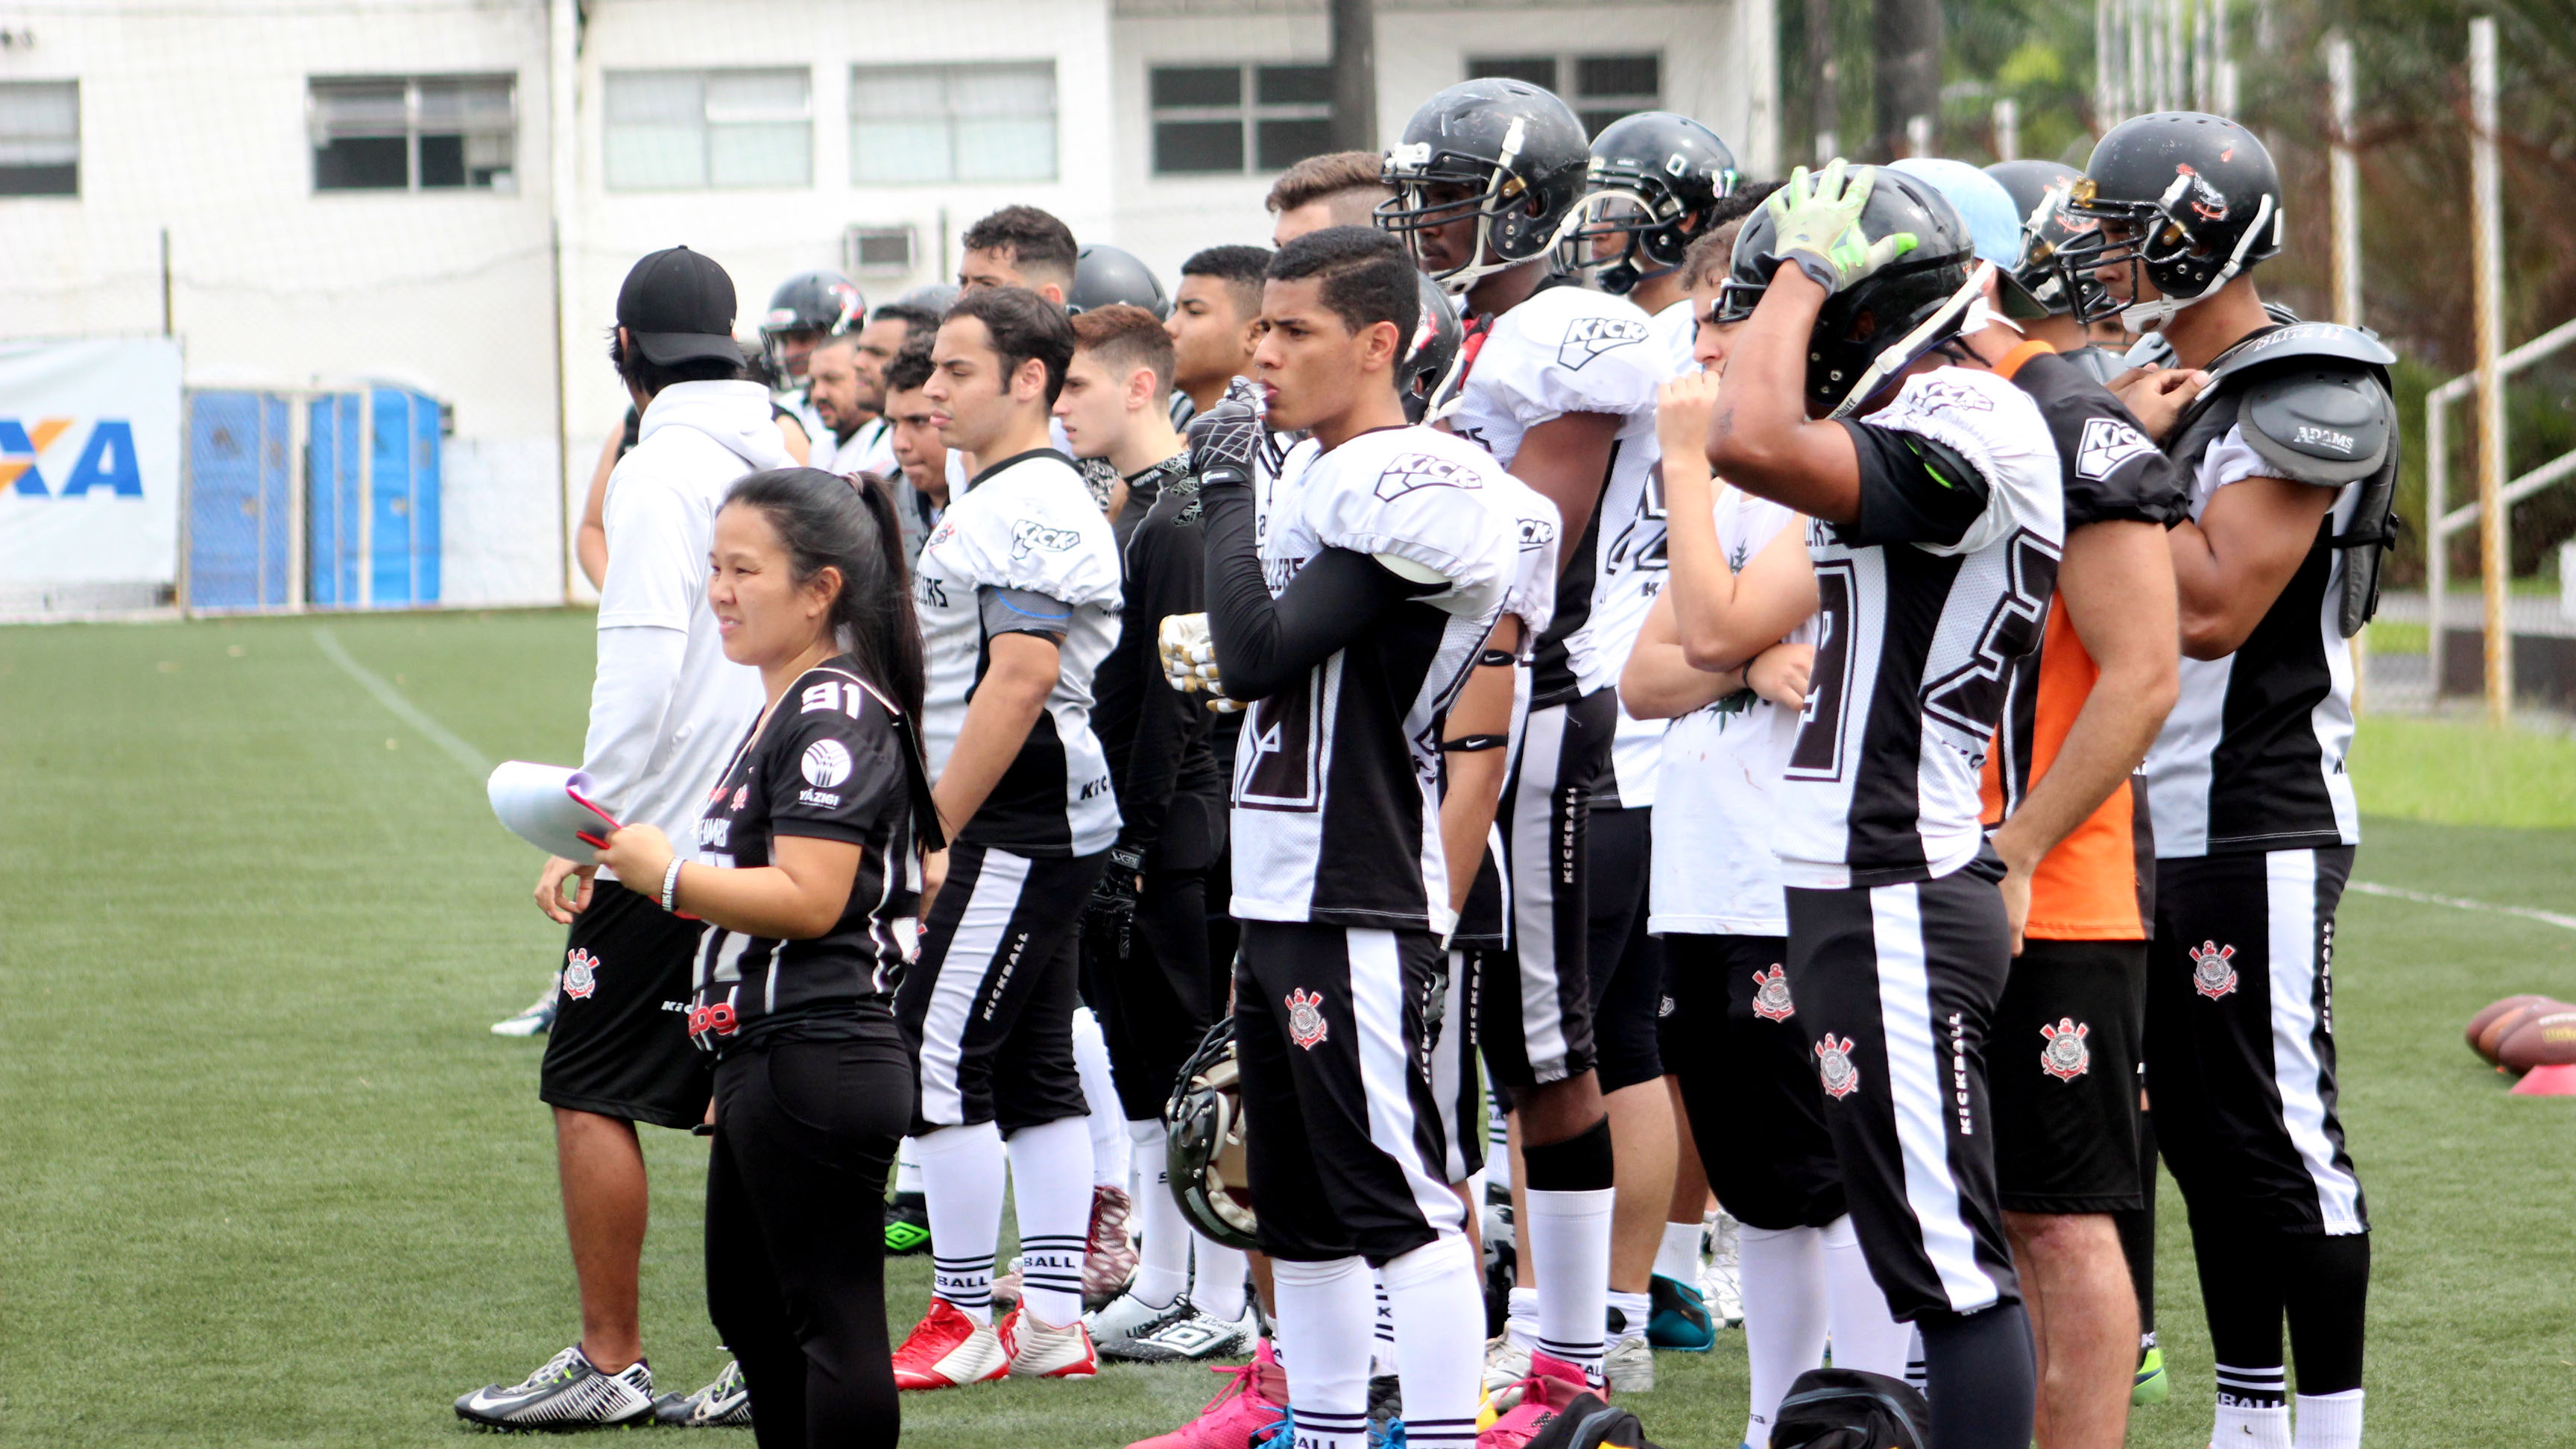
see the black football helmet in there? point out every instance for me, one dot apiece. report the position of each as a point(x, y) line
point(2039, 190)
point(823, 303)
point(1204, 1157)
point(1519, 153)
point(1876, 328)
point(1104, 276)
point(1438, 337)
point(2196, 200)
point(1650, 175)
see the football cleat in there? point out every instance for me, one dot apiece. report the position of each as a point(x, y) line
point(947, 1349)
point(1197, 1337)
point(566, 1393)
point(2152, 1386)
point(1040, 1351)
point(1551, 1386)
point(1679, 1319)
point(1721, 1282)
point(1629, 1366)
point(1385, 1411)
point(1250, 1407)
point(1127, 1320)
point(724, 1404)
point(907, 1225)
point(537, 1020)
point(1507, 1362)
point(1108, 1254)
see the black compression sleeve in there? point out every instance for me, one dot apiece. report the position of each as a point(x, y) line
point(1264, 643)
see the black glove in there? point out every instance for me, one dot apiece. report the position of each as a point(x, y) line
point(1227, 437)
point(1112, 911)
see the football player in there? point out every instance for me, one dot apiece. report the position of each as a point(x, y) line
point(1559, 385)
point(2289, 442)
point(805, 309)
point(1933, 490)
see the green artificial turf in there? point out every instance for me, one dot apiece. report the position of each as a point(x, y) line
point(266, 1178)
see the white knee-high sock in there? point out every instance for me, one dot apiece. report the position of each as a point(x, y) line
point(961, 1178)
point(1498, 1145)
point(1324, 1315)
point(1678, 1257)
point(1381, 1328)
point(2253, 1408)
point(2328, 1421)
point(1051, 1191)
point(1163, 1262)
point(1785, 1311)
point(1438, 1309)
point(1100, 1093)
point(1216, 1278)
point(1568, 1240)
point(907, 1167)
point(1864, 1336)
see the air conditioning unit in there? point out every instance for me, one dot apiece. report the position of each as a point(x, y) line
point(877, 251)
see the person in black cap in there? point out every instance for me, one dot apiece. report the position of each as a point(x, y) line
point(665, 708)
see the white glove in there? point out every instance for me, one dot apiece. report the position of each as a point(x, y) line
point(1189, 660)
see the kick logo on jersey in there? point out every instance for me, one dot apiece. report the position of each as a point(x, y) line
point(2213, 972)
point(1306, 1025)
point(580, 975)
point(1029, 536)
point(1588, 337)
point(1834, 1067)
point(2107, 443)
point(826, 763)
point(1771, 995)
point(2066, 1057)
point(1410, 471)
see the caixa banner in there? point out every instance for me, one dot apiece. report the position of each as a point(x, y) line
point(89, 474)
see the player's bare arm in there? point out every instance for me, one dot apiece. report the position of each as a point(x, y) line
point(798, 897)
point(1479, 721)
point(1566, 460)
point(2231, 565)
point(1660, 682)
point(1759, 435)
point(1007, 701)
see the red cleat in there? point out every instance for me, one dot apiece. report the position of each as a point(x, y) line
point(947, 1349)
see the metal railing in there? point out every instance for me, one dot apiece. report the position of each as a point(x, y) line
point(2441, 520)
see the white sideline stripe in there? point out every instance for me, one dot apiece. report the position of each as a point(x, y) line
point(2461, 903)
point(403, 709)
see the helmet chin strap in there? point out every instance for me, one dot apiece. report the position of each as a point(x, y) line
point(2138, 317)
point(1901, 354)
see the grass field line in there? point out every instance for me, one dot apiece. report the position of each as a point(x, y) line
point(2462, 903)
point(403, 709)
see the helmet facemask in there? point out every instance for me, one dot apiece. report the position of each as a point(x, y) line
point(1643, 221)
point(1502, 200)
point(2159, 245)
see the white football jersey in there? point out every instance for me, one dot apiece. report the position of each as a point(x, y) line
point(1567, 350)
point(1636, 746)
point(1025, 524)
point(1719, 783)
point(1913, 645)
point(1336, 817)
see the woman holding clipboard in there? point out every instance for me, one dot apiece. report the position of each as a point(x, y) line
point(807, 871)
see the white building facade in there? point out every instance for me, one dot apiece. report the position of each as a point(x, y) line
point(372, 190)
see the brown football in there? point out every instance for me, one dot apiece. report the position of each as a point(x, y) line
point(2545, 1040)
point(2479, 1041)
point(2494, 1035)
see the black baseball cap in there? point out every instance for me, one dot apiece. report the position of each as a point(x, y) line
point(678, 306)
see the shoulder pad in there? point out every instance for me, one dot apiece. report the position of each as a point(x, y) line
point(2324, 424)
point(2097, 363)
point(2300, 342)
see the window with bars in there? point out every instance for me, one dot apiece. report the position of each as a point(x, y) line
point(39, 138)
point(1600, 88)
point(692, 130)
point(1219, 119)
point(413, 133)
point(988, 121)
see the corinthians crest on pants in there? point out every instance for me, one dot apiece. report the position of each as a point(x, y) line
point(2213, 972)
point(1771, 996)
point(1834, 1066)
point(2066, 1057)
point(580, 975)
point(1305, 1018)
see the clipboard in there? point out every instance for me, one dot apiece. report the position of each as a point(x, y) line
point(550, 807)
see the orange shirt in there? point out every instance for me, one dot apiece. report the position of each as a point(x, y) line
point(2096, 885)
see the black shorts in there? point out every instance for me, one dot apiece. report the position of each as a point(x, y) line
point(2240, 1030)
point(988, 1007)
point(1624, 962)
point(1338, 1034)
point(1534, 996)
point(1896, 988)
point(1749, 1082)
point(2063, 1066)
point(620, 1044)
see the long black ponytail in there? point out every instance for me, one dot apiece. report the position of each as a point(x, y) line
point(826, 521)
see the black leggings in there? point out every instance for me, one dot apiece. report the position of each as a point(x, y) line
point(804, 1134)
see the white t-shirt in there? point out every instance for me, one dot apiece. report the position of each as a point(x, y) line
point(1717, 789)
point(1636, 746)
point(666, 706)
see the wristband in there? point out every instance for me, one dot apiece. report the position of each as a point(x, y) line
point(671, 885)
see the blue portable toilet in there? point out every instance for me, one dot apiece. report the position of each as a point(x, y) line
point(372, 513)
point(240, 500)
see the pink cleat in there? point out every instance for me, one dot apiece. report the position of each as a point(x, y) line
point(1254, 1403)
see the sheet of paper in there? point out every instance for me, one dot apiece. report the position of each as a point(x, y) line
point(549, 807)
